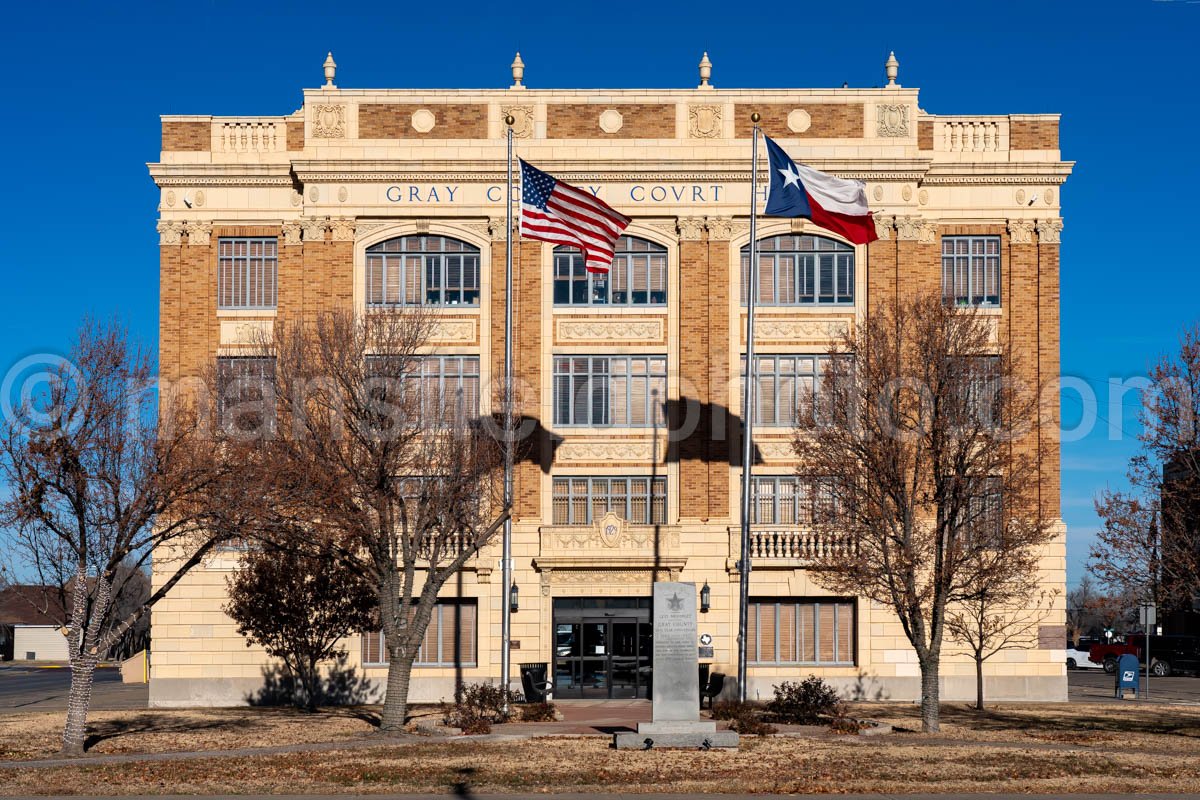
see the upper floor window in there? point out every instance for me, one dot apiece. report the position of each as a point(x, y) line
point(440, 389)
point(583, 500)
point(422, 270)
point(975, 392)
point(638, 276)
point(971, 270)
point(801, 270)
point(792, 500)
point(246, 395)
point(247, 272)
point(626, 391)
point(788, 385)
point(982, 519)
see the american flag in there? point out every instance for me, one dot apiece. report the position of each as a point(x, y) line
point(553, 211)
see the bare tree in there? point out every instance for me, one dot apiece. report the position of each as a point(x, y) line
point(395, 472)
point(923, 433)
point(96, 487)
point(298, 607)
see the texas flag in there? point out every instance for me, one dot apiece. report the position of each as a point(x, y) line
point(836, 204)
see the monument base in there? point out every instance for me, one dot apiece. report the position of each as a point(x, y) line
point(690, 735)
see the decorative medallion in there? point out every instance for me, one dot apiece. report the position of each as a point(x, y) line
point(423, 120)
point(906, 193)
point(198, 198)
point(1048, 196)
point(329, 122)
point(611, 120)
point(343, 194)
point(170, 197)
point(891, 121)
point(1020, 197)
point(297, 198)
point(799, 120)
point(611, 527)
point(522, 126)
point(314, 194)
point(704, 122)
point(923, 197)
point(877, 193)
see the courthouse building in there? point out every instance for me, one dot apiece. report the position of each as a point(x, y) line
point(373, 198)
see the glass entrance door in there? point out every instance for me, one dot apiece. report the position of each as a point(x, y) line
point(602, 657)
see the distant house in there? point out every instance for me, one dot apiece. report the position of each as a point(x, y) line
point(31, 621)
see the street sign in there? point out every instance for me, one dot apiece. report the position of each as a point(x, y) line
point(1147, 615)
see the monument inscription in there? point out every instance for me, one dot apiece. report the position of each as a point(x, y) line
point(676, 686)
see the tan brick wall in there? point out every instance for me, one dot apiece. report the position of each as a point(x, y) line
point(882, 277)
point(924, 134)
point(695, 338)
point(186, 136)
point(1022, 308)
point(720, 420)
point(828, 120)
point(394, 121)
point(1033, 134)
point(295, 134)
point(198, 326)
point(1049, 364)
point(170, 310)
point(582, 121)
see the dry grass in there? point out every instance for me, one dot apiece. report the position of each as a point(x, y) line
point(1047, 749)
point(38, 735)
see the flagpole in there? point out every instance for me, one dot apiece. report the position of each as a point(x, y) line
point(506, 548)
point(748, 380)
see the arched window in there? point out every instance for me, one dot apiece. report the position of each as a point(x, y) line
point(638, 276)
point(422, 270)
point(801, 270)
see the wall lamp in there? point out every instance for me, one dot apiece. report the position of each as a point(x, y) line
point(705, 598)
point(513, 600)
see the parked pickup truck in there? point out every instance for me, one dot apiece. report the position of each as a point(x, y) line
point(1109, 653)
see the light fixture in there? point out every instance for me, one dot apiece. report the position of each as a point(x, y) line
point(513, 605)
point(705, 598)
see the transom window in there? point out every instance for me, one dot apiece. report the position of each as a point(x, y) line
point(801, 270)
point(801, 632)
point(582, 501)
point(627, 391)
point(422, 270)
point(971, 270)
point(787, 385)
point(792, 500)
point(247, 272)
point(638, 276)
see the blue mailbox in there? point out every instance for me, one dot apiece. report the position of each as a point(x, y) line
point(1127, 675)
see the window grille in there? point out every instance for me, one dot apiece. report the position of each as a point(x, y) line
point(246, 394)
point(801, 632)
point(626, 391)
point(247, 273)
point(583, 500)
point(422, 270)
point(971, 270)
point(638, 276)
point(801, 270)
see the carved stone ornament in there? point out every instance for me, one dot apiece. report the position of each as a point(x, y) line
point(1048, 196)
point(775, 451)
point(314, 194)
point(799, 120)
point(883, 225)
point(721, 229)
point(343, 194)
point(314, 229)
point(611, 527)
point(611, 120)
point(1020, 231)
point(169, 197)
point(522, 126)
point(170, 232)
point(329, 122)
point(297, 198)
point(1019, 196)
point(770, 329)
point(578, 451)
point(423, 120)
point(453, 331)
point(891, 120)
point(667, 226)
point(584, 330)
point(915, 229)
point(877, 193)
point(906, 193)
point(923, 197)
point(704, 122)
point(691, 229)
point(343, 230)
point(291, 233)
point(496, 226)
point(199, 233)
point(1049, 231)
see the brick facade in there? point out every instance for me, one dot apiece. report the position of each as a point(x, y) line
point(395, 121)
point(188, 137)
point(1033, 134)
point(638, 121)
point(827, 120)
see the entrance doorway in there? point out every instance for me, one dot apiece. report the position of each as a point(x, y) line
point(603, 647)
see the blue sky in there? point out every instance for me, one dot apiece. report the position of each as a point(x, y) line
point(85, 85)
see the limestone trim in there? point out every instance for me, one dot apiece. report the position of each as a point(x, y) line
point(454, 332)
point(1020, 231)
point(705, 121)
point(343, 229)
point(329, 121)
point(170, 232)
point(691, 229)
point(314, 229)
point(570, 330)
point(797, 331)
point(916, 229)
point(199, 233)
point(891, 120)
point(1050, 231)
point(721, 229)
point(633, 450)
point(884, 223)
point(522, 120)
point(291, 233)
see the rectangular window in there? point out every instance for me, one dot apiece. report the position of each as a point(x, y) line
point(974, 393)
point(583, 500)
point(246, 394)
point(247, 272)
point(983, 516)
point(788, 386)
point(445, 387)
point(637, 277)
point(623, 391)
point(971, 270)
point(788, 631)
point(792, 500)
point(450, 640)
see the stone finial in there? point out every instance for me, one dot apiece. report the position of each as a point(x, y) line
point(330, 71)
point(518, 72)
point(893, 69)
point(705, 72)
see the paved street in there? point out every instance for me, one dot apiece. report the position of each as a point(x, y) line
point(43, 688)
point(1094, 686)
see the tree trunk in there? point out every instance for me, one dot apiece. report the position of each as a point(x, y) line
point(930, 696)
point(79, 700)
point(395, 702)
point(978, 683)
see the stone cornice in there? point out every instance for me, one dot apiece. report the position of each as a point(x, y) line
point(221, 174)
